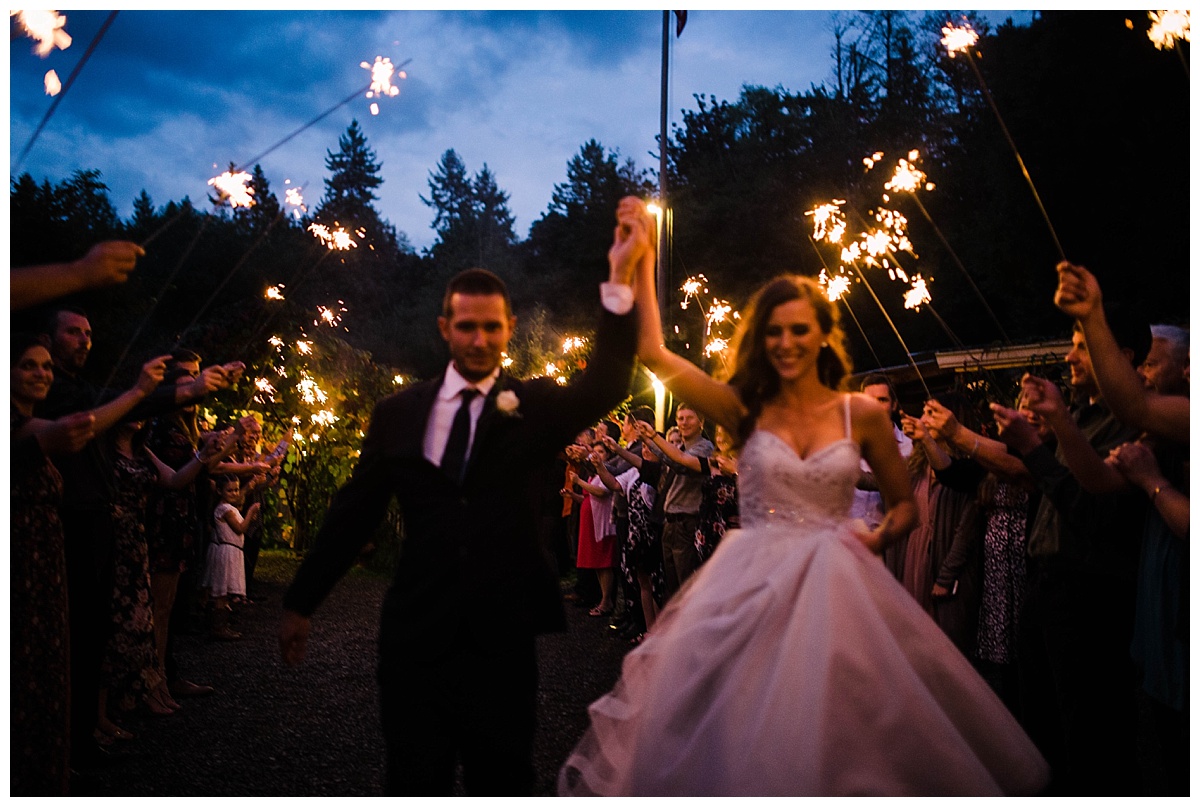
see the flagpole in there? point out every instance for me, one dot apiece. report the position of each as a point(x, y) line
point(664, 235)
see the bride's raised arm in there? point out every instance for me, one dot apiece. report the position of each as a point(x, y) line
point(715, 400)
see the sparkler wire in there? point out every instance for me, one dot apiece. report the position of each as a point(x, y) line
point(316, 120)
point(846, 302)
point(262, 237)
point(1028, 179)
point(66, 86)
point(162, 293)
point(899, 338)
point(962, 268)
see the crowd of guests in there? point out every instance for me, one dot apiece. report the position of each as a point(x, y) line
point(1050, 545)
point(125, 529)
point(642, 510)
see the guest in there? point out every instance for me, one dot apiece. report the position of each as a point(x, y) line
point(1076, 675)
point(681, 502)
point(225, 572)
point(868, 503)
point(39, 663)
point(597, 535)
point(131, 674)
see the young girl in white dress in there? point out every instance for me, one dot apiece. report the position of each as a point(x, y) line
point(793, 663)
point(225, 574)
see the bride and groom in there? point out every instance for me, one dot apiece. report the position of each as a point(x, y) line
point(791, 664)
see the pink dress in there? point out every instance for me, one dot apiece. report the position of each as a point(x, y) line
point(918, 571)
point(592, 553)
point(792, 663)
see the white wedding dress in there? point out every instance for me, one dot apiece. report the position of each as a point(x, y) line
point(793, 664)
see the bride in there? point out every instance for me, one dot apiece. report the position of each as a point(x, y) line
point(793, 663)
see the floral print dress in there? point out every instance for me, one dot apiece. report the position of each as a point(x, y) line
point(130, 667)
point(39, 663)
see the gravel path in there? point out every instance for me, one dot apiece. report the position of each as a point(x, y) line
point(314, 730)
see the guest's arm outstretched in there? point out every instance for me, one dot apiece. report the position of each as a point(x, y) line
point(1169, 416)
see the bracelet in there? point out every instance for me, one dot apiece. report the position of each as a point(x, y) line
point(974, 450)
point(1157, 490)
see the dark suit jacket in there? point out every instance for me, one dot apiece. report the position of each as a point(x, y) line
point(470, 565)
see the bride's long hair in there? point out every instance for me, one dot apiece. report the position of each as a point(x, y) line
point(752, 374)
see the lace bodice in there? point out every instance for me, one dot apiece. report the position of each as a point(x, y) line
point(776, 486)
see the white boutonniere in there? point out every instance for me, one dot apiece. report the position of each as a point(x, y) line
point(507, 403)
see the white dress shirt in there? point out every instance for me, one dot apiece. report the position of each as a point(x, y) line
point(617, 298)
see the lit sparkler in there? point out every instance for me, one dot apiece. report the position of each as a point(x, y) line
point(264, 387)
point(716, 347)
point(233, 188)
point(274, 292)
point(1167, 27)
point(835, 287)
point(309, 391)
point(959, 39)
point(918, 295)
point(572, 343)
point(828, 222)
point(332, 239)
point(53, 85)
point(304, 347)
point(398, 379)
point(293, 197)
point(329, 316)
point(693, 287)
point(506, 360)
point(46, 28)
point(276, 342)
point(325, 417)
point(381, 77)
point(869, 162)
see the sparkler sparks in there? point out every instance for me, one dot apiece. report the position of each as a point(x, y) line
point(292, 196)
point(264, 388)
point(381, 80)
point(835, 287)
point(46, 28)
point(506, 360)
point(328, 316)
point(958, 39)
point(869, 162)
point(309, 391)
point(572, 343)
point(335, 239)
point(907, 178)
point(53, 85)
point(276, 342)
point(918, 295)
point(828, 222)
point(693, 287)
point(325, 417)
point(716, 347)
point(1166, 27)
point(233, 189)
point(304, 347)
point(274, 293)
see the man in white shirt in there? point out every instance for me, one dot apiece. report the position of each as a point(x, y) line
point(467, 457)
point(868, 503)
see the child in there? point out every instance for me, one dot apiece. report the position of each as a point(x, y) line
point(226, 572)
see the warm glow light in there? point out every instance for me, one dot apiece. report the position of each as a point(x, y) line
point(828, 222)
point(233, 188)
point(918, 295)
point(274, 292)
point(335, 239)
point(1168, 26)
point(958, 40)
point(397, 379)
point(46, 27)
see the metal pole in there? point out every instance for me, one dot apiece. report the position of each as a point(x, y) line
point(664, 231)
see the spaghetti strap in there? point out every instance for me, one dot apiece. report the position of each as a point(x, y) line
point(846, 399)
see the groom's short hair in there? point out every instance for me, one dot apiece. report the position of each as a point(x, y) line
point(479, 282)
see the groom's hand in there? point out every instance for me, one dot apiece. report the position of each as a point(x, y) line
point(293, 637)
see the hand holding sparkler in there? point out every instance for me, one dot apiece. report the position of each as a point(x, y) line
point(152, 374)
point(1044, 398)
point(216, 446)
point(67, 434)
point(1078, 293)
point(105, 264)
point(1015, 429)
point(939, 421)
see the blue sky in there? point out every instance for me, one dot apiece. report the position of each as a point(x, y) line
point(169, 99)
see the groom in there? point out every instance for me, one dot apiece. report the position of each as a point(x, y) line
point(466, 456)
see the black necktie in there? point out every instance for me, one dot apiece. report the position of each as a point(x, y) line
point(454, 460)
